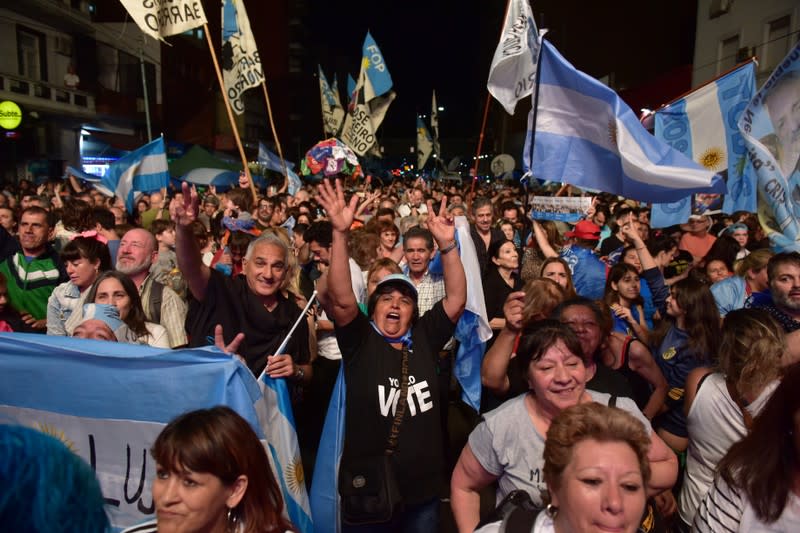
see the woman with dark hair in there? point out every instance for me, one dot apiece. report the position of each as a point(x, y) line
point(213, 476)
point(116, 288)
point(84, 257)
point(688, 338)
point(76, 217)
point(500, 280)
point(623, 296)
point(721, 402)
point(610, 444)
point(507, 447)
point(756, 487)
point(557, 269)
point(395, 434)
point(390, 236)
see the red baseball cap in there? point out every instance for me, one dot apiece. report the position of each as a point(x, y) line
point(585, 229)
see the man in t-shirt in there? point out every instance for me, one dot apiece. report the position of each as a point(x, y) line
point(252, 303)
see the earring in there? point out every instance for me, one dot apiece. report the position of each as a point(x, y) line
point(232, 520)
point(551, 510)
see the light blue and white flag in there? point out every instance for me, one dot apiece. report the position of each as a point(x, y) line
point(95, 182)
point(703, 126)
point(109, 401)
point(377, 71)
point(587, 136)
point(241, 64)
point(277, 421)
point(142, 171)
point(273, 162)
point(472, 329)
point(351, 85)
point(332, 111)
point(424, 144)
point(325, 484)
point(771, 131)
point(512, 75)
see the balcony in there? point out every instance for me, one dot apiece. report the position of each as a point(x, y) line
point(71, 16)
point(43, 96)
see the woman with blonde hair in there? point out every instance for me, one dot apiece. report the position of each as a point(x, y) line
point(720, 403)
point(613, 446)
point(747, 287)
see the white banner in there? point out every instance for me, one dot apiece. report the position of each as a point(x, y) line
point(159, 18)
point(241, 65)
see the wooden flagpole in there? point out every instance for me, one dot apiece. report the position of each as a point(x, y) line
point(275, 133)
point(230, 113)
point(480, 140)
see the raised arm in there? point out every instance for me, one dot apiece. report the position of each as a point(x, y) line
point(341, 300)
point(629, 230)
point(443, 230)
point(494, 368)
point(190, 261)
point(541, 239)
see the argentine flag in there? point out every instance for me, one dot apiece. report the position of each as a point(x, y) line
point(703, 126)
point(95, 181)
point(142, 171)
point(587, 136)
point(273, 162)
point(276, 418)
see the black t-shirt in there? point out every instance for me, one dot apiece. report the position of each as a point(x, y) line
point(496, 290)
point(230, 302)
point(372, 374)
point(609, 244)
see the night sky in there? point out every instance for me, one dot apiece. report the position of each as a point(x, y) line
point(448, 46)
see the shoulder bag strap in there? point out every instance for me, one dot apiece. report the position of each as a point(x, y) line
point(748, 418)
point(401, 404)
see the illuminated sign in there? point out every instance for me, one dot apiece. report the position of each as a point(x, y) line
point(10, 115)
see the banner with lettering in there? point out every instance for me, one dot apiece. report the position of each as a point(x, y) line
point(109, 401)
point(160, 19)
point(563, 208)
point(241, 66)
point(771, 130)
point(512, 75)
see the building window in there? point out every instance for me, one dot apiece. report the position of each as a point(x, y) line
point(31, 54)
point(778, 42)
point(728, 48)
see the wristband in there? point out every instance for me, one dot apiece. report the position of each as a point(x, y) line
point(448, 248)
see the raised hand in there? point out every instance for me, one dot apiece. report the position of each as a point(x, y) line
point(629, 230)
point(441, 225)
point(340, 213)
point(184, 213)
point(513, 310)
point(232, 348)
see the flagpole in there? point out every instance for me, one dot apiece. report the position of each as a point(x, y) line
point(480, 140)
point(275, 133)
point(230, 113)
point(535, 113)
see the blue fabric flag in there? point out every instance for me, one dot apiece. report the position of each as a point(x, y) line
point(351, 85)
point(142, 171)
point(771, 132)
point(95, 182)
point(276, 419)
point(273, 162)
point(377, 71)
point(587, 136)
point(325, 483)
point(703, 126)
point(109, 401)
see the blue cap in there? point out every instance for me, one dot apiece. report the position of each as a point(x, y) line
point(398, 279)
point(105, 313)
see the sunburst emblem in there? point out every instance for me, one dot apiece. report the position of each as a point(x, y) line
point(713, 158)
point(295, 477)
point(58, 434)
point(612, 131)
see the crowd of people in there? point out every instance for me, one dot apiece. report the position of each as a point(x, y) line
point(637, 377)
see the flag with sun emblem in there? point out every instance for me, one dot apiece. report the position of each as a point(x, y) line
point(277, 421)
point(702, 125)
point(585, 135)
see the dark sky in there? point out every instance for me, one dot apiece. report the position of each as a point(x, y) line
point(448, 46)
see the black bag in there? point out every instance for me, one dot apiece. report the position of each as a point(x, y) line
point(369, 490)
point(368, 485)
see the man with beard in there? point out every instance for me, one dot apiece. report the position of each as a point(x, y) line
point(783, 271)
point(481, 230)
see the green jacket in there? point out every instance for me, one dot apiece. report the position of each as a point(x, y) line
point(30, 283)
